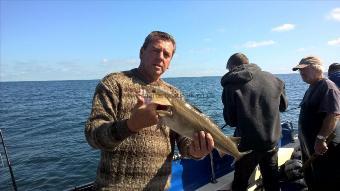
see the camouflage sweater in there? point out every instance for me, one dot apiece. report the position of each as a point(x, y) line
point(129, 161)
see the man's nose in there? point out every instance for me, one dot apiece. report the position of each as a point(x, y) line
point(161, 55)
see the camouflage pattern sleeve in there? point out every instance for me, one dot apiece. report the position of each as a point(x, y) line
point(183, 144)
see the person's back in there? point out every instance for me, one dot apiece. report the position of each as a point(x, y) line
point(257, 97)
point(252, 99)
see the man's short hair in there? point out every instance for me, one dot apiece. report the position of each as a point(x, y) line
point(157, 35)
point(237, 59)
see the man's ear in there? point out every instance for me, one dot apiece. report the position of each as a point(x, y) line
point(141, 52)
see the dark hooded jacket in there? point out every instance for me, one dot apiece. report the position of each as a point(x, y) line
point(252, 101)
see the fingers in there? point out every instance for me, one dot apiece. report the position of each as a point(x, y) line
point(210, 142)
point(192, 149)
point(196, 142)
point(201, 145)
point(203, 142)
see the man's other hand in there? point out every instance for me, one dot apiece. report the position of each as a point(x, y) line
point(201, 145)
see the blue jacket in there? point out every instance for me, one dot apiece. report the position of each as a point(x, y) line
point(335, 77)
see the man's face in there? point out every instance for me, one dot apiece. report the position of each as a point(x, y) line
point(155, 59)
point(308, 74)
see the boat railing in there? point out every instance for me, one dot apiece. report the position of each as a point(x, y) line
point(213, 175)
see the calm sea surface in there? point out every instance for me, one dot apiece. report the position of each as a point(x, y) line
point(43, 125)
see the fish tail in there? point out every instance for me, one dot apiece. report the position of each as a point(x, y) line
point(242, 154)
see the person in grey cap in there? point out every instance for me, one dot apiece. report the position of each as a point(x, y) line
point(334, 73)
point(320, 108)
point(252, 99)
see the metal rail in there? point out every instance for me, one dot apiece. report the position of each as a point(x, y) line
point(213, 176)
point(8, 162)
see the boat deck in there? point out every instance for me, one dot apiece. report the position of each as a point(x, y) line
point(224, 183)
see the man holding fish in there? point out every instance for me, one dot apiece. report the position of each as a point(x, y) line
point(136, 145)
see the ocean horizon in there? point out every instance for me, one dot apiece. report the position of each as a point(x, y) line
point(43, 126)
point(325, 74)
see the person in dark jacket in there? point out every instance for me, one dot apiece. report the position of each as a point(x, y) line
point(252, 99)
point(334, 73)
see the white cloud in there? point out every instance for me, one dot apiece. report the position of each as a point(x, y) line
point(334, 14)
point(253, 44)
point(335, 42)
point(284, 27)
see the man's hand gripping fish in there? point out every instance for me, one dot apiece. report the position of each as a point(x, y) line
point(185, 120)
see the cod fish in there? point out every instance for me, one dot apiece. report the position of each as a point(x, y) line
point(185, 120)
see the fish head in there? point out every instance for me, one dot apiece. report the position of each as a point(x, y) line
point(164, 106)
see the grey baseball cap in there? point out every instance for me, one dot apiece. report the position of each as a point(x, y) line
point(309, 60)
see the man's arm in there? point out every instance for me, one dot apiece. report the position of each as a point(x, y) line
point(283, 99)
point(330, 104)
point(103, 129)
point(229, 110)
point(328, 126)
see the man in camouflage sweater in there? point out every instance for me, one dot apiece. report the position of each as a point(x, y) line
point(136, 148)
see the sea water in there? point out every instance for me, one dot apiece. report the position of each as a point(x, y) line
point(43, 124)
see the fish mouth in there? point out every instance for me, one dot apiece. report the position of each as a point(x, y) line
point(164, 107)
point(164, 110)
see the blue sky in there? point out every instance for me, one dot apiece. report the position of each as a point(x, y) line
point(76, 40)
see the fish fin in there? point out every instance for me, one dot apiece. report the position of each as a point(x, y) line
point(236, 140)
point(233, 163)
point(159, 91)
point(196, 108)
point(221, 153)
point(242, 154)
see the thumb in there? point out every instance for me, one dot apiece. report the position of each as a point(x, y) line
point(140, 101)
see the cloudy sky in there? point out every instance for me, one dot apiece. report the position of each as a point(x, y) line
point(76, 40)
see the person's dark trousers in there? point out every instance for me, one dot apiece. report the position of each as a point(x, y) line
point(267, 161)
point(324, 174)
